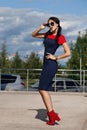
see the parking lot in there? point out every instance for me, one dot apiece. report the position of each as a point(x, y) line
point(26, 111)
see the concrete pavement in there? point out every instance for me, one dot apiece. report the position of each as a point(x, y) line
point(26, 111)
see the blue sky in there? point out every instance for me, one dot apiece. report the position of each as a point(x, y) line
point(19, 18)
point(78, 7)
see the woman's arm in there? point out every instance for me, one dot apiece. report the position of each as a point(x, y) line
point(36, 32)
point(66, 53)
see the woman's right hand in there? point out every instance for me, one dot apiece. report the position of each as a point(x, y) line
point(36, 32)
point(43, 25)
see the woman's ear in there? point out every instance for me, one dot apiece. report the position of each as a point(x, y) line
point(58, 25)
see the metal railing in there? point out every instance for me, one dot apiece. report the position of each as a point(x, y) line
point(30, 76)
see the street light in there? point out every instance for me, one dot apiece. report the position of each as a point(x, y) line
point(80, 57)
point(80, 64)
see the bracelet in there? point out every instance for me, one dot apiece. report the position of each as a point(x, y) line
point(56, 58)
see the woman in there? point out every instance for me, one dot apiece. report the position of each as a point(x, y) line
point(52, 40)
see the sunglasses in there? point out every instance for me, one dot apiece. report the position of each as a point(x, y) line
point(50, 24)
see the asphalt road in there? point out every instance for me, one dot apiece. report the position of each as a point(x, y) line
point(26, 111)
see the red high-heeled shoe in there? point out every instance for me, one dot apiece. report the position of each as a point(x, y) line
point(52, 117)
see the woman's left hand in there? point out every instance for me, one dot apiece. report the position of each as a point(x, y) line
point(50, 56)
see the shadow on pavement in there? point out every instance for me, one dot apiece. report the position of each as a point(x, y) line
point(41, 114)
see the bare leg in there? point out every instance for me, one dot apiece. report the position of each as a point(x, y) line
point(48, 103)
point(46, 99)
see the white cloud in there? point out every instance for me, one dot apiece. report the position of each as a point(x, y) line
point(16, 26)
point(36, 43)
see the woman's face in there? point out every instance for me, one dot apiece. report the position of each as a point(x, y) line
point(53, 26)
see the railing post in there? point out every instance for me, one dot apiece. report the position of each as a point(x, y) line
point(0, 79)
point(84, 81)
point(27, 78)
point(55, 84)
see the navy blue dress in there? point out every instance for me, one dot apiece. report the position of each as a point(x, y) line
point(50, 67)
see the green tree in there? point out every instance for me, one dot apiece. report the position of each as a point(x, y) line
point(3, 56)
point(17, 62)
point(78, 51)
point(33, 61)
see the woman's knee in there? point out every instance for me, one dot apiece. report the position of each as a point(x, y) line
point(42, 92)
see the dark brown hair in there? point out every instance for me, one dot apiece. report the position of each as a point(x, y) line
point(56, 20)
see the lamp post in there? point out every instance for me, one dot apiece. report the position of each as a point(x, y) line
point(80, 59)
point(80, 65)
point(80, 47)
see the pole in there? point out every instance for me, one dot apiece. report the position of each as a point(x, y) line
point(27, 78)
point(80, 65)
